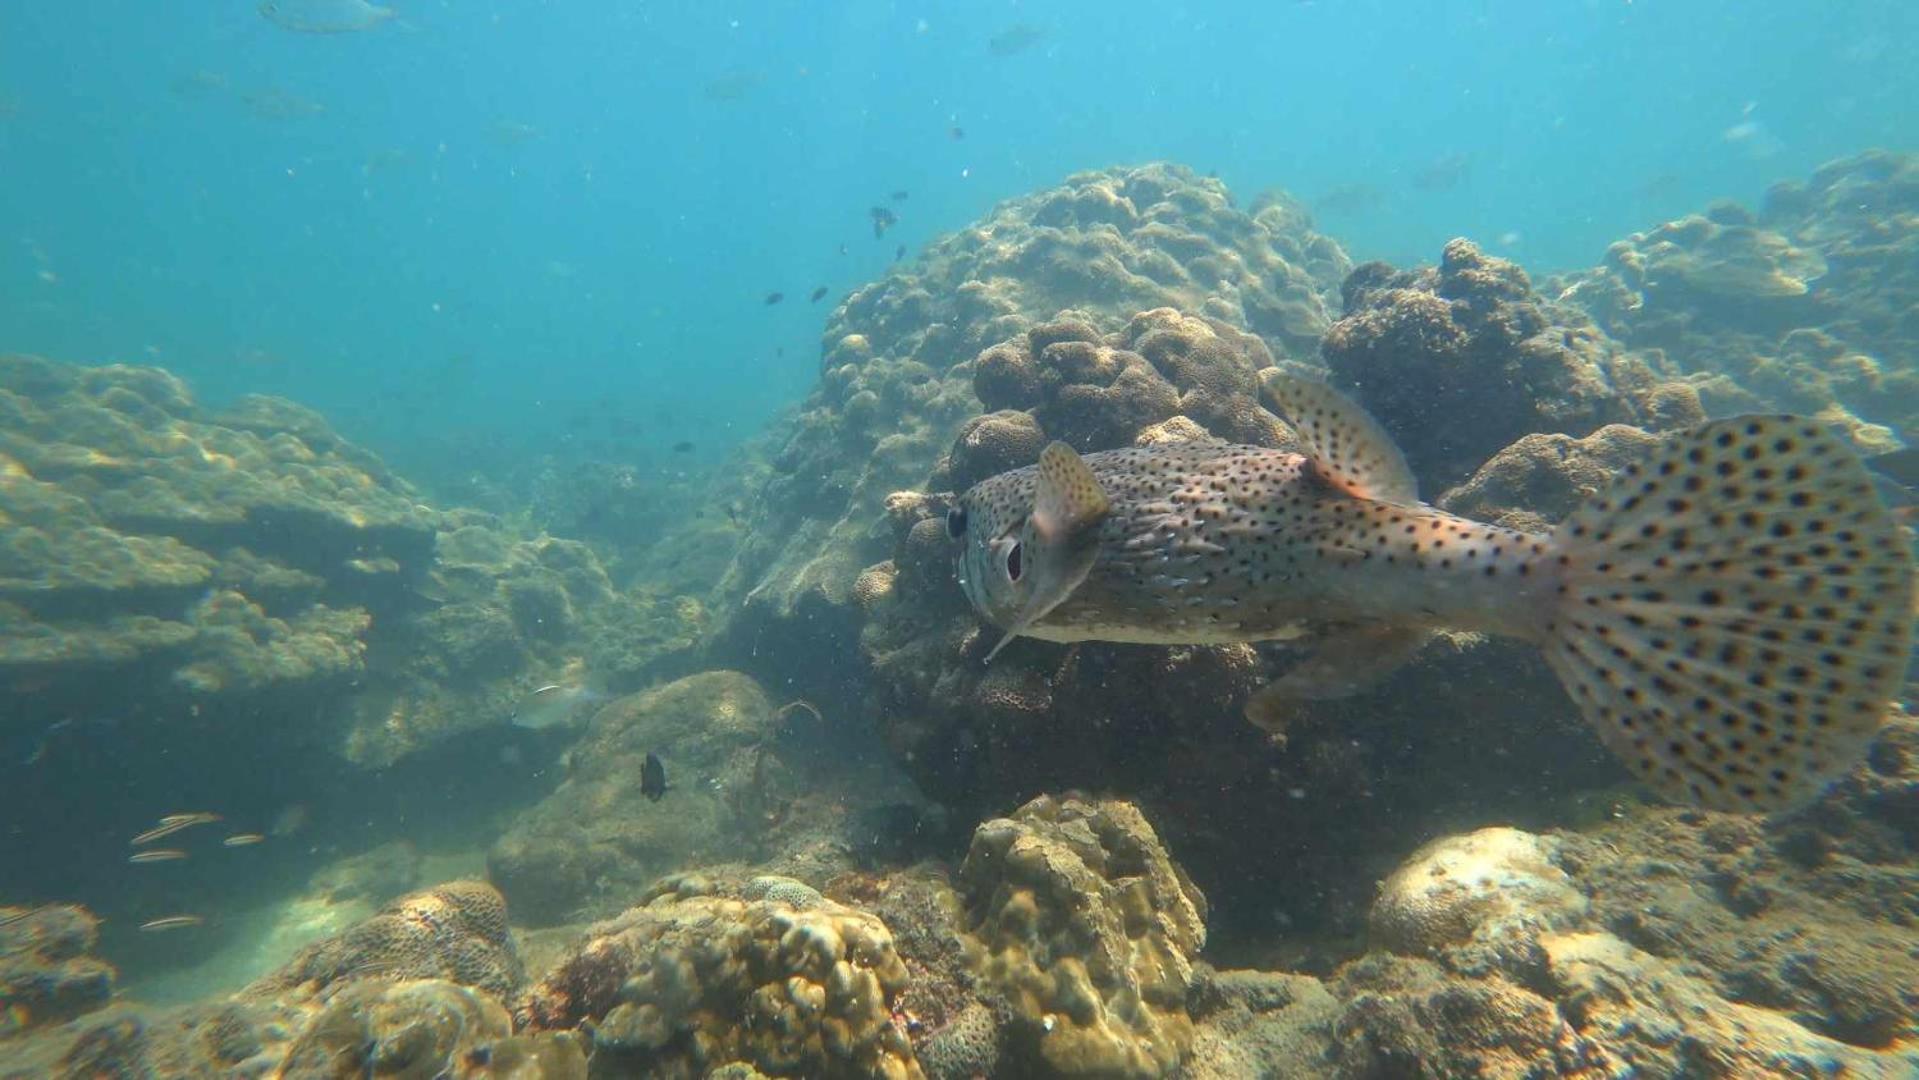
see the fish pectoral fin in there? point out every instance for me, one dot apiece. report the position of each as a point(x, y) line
point(1068, 503)
point(1344, 662)
point(1068, 507)
point(1347, 446)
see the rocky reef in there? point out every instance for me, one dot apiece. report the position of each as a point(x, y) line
point(1445, 875)
point(899, 371)
point(745, 784)
point(1804, 305)
point(1461, 359)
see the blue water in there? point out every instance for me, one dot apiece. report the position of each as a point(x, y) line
point(460, 228)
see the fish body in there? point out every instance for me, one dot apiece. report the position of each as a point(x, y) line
point(324, 16)
point(1733, 617)
point(171, 922)
point(653, 778)
point(154, 855)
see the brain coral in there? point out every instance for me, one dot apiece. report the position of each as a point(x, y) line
point(456, 931)
point(1087, 928)
point(693, 980)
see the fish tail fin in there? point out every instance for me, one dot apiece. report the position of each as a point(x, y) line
point(1734, 615)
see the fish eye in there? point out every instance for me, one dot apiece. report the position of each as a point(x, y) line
point(1013, 562)
point(956, 522)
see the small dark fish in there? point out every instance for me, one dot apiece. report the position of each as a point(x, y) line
point(171, 922)
point(899, 196)
point(883, 219)
point(899, 253)
point(842, 249)
point(653, 778)
point(957, 133)
point(1015, 39)
point(774, 298)
point(817, 295)
point(682, 447)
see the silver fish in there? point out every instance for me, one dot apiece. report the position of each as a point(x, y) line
point(1733, 615)
point(554, 704)
point(324, 16)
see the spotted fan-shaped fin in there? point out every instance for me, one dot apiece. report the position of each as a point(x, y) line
point(1735, 614)
point(1348, 447)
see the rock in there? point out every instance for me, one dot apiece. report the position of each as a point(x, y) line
point(48, 973)
point(1087, 928)
point(1259, 1023)
point(1495, 890)
point(733, 792)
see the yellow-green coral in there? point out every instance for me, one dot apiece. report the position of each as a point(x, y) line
point(693, 981)
point(1083, 923)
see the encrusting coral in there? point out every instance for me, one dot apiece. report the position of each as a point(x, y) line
point(695, 979)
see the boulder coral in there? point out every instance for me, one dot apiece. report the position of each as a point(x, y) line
point(1459, 360)
point(455, 931)
point(1088, 929)
point(694, 980)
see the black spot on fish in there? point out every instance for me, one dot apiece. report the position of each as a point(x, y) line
point(817, 295)
point(883, 219)
point(774, 298)
point(652, 778)
point(683, 447)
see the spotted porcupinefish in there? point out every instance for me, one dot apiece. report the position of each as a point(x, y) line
point(1733, 615)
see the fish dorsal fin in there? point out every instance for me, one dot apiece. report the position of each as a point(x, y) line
point(1063, 534)
point(1347, 447)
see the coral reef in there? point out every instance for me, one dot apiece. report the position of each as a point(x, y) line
point(231, 549)
point(898, 377)
point(48, 973)
point(418, 989)
point(1459, 360)
point(1805, 306)
point(455, 931)
point(1088, 929)
point(696, 978)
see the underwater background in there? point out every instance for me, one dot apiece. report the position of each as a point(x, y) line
point(474, 501)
